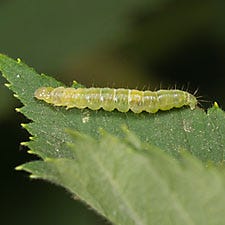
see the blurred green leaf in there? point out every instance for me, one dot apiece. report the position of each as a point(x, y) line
point(71, 29)
point(67, 29)
point(137, 186)
point(158, 34)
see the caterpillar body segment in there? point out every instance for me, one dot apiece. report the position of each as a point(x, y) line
point(121, 99)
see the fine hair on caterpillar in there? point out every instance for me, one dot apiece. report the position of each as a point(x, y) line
point(121, 99)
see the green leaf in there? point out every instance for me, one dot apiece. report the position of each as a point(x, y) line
point(128, 178)
point(173, 131)
point(137, 186)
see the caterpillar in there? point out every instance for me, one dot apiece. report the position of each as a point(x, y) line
point(121, 99)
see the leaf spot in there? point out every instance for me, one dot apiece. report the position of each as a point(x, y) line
point(187, 126)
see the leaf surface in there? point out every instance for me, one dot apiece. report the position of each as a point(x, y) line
point(137, 186)
point(176, 130)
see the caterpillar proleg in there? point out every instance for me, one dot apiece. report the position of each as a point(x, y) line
point(121, 99)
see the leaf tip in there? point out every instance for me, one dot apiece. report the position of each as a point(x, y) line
point(18, 60)
point(31, 138)
point(215, 105)
point(7, 85)
point(24, 125)
point(24, 143)
point(31, 152)
point(16, 96)
point(19, 168)
point(74, 82)
point(18, 110)
point(32, 176)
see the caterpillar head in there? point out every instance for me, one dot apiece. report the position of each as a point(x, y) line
point(43, 93)
point(192, 101)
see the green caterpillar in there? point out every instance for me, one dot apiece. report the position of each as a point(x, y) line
point(121, 99)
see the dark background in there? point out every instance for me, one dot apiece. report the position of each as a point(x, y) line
point(121, 43)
